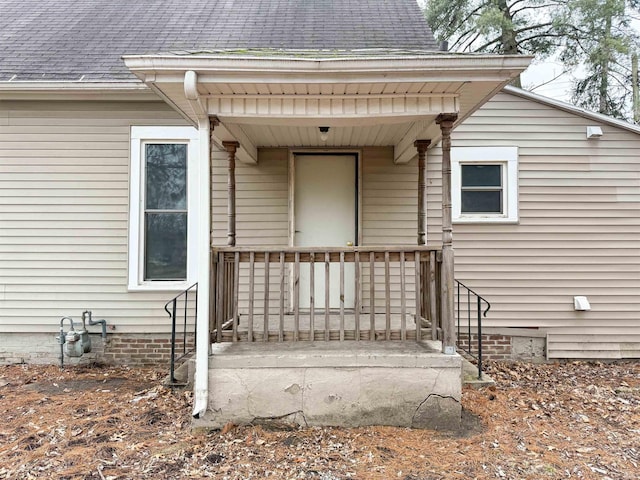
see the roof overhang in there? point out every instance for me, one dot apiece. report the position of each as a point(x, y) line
point(567, 107)
point(77, 90)
point(407, 92)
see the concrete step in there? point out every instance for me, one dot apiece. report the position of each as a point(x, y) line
point(348, 384)
point(470, 376)
point(183, 373)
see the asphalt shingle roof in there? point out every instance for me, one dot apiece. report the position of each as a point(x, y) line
point(74, 39)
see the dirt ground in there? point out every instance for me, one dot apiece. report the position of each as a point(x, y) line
point(575, 420)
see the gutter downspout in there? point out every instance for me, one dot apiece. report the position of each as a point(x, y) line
point(201, 379)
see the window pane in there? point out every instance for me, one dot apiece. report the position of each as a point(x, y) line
point(165, 246)
point(166, 171)
point(483, 201)
point(481, 175)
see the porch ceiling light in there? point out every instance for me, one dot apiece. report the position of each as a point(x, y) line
point(324, 133)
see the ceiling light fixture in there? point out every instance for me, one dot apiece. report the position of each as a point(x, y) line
point(324, 133)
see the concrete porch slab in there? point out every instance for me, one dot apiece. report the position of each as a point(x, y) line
point(334, 384)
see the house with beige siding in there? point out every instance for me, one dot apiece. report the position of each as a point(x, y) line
point(572, 231)
point(289, 188)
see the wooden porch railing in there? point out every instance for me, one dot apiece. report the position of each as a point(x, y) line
point(275, 295)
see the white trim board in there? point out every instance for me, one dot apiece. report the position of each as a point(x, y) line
point(140, 134)
point(505, 156)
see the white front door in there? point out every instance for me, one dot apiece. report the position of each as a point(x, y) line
point(325, 216)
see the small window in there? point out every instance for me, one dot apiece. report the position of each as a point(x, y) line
point(484, 184)
point(481, 189)
point(163, 208)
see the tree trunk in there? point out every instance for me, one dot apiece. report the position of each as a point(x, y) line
point(604, 65)
point(508, 37)
point(636, 96)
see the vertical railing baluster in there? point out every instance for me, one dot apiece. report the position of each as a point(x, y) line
point(433, 304)
point(296, 297)
point(372, 295)
point(236, 287)
point(458, 310)
point(312, 291)
point(281, 326)
point(469, 319)
point(213, 288)
point(265, 331)
point(252, 267)
point(418, 295)
point(184, 329)
point(357, 300)
point(479, 338)
point(173, 341)
point(387, 295)
point(229, 292)
point(403, 300)
point(220, 294)
point(327, 293)
point(341, 296)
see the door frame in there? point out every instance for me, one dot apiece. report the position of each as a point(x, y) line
point(357, 152)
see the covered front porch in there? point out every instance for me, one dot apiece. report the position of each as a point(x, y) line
point(320, 306)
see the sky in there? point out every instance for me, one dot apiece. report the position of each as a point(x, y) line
point(546, 78)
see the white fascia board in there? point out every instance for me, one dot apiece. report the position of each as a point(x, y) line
point(567, 107)
point(236, 68)
point(61, 90)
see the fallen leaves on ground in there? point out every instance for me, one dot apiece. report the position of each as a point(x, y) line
point(573, 420)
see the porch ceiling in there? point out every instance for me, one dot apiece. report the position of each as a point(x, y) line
point(268, 102)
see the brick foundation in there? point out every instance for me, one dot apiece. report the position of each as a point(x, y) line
point(147, 349)
point(523, 344)
point(119, 349)
point(494, 347)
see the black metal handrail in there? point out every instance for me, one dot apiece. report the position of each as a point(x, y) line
point(470, 294)
point(173, 314)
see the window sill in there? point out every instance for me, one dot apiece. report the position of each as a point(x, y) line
point(503, 220)
point(160, 287)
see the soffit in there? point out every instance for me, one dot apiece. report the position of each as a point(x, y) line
point(397, 98)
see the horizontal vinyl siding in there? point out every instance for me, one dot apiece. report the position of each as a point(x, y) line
point(579, 230)
point(64, 186)
point(389, 207)
point(262, 199)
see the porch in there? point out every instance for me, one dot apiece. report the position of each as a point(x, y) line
point(357, 329)
point(315, 333)
point(345, 336)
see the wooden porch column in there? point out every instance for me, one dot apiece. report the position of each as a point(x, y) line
point(213, 123)
point(446, 120)
point(422, 146)
point(231, 148)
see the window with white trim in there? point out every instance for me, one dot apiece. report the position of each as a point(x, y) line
point(484, 184)
point(163, 208)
